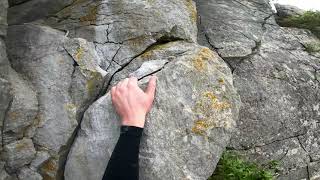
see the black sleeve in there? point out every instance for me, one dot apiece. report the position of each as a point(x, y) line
point(124, 161)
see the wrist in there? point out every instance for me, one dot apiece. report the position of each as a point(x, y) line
point(136, 122)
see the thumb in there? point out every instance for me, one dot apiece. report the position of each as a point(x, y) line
point(151, 89)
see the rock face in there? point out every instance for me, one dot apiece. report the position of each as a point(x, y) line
point(64, 55)
point(64, 90)
point(57, 119)
point(284, 11)
point(278, 82)
point(190, 122)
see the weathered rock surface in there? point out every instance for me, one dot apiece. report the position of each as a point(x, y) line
point(123, 30)
point(28, 174)
point(192, 118)
point(23, 11)
point(284, 11)
point(23, 109)
point(65, 54)
point(276, 78)
point(67, 80)
point(18, 153)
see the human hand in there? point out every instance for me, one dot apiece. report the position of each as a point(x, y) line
point(131, 102)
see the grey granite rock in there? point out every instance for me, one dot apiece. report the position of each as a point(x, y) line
point(28, 174)
point(5, 99)
point(64, 56)
point(314, 169)
point(275, 77)
point(16, 2)
point(23, 108)
point(18, 153)
point(40, 158)
point(40, 48)
point(284, 11)
point(22, 11)
point(181, 138)
point(3, 17)
point(3, 173)
point(64, 73)
point(311, 143)
point(123, 30)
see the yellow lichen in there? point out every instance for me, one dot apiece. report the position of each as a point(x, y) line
point(192, 10)
point(148, 54)
point(221, 105)
point(207, 108)
point(210, 96)
point(21, 146)
point(200, 127)
point(201, 59)
point(79, 53)
point(91, 16)
point(221, 81)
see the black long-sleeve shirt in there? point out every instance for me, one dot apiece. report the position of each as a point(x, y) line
point(124, 161)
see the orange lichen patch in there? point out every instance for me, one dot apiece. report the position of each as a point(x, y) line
point(201, 59)
point(192, 10)
point(91, 16)
point(49, 169)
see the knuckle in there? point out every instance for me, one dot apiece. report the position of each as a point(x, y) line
point(122, 89)
point(131, 84)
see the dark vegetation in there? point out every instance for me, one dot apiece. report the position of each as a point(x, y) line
point(309, 20)
point(232, 167)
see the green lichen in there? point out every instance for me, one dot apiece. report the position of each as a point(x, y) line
point(313, 47)
point(94, 83)
point(308, 20)
point(71, 110)
point(232, 167)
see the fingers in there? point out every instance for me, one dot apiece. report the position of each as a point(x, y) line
point(124, 83)
point(151, 89)
point(133, 82)
point(113, 91)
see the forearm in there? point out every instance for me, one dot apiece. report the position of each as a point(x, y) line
point(124, 161)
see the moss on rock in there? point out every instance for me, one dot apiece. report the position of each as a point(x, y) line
point(308, 20)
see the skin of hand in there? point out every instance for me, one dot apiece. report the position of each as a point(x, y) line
point(131, 102)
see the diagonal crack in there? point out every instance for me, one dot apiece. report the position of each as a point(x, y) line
point(160, 41)
point(107, 81)
point(4, 122)
point(232, 62)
